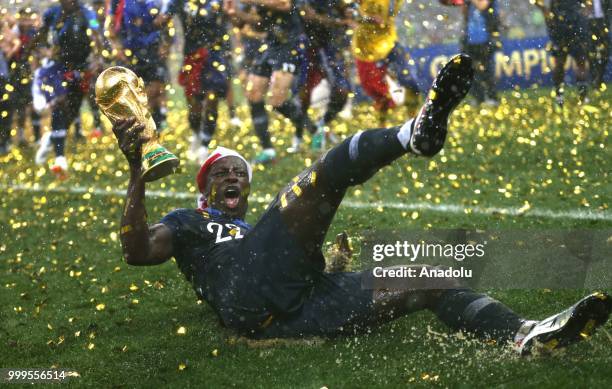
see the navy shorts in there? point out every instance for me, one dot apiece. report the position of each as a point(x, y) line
point(251, 48)
point(285, 57)
point(217, 72)
point(149, 67)
point(284, 274)
point(289, 294)
point(336, 305)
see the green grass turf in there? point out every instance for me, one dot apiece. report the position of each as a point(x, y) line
point(69, 301)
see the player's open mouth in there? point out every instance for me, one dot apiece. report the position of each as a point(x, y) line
point(231, 197)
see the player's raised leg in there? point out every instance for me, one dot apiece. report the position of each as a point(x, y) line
point(308, 204)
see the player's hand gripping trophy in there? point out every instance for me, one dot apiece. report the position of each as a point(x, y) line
point(120, 94)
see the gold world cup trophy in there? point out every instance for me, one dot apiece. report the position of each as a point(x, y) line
point(120, 94)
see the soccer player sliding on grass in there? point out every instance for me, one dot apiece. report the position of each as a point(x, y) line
point(267, 280)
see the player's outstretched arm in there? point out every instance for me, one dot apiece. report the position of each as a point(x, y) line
point(141, 245)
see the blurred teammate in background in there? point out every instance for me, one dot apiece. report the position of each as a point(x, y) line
point(21, 69)
point(599, 13)
point(325, 22)
point(481, 34)
point(73, 31)
point(99, 7)
point(568, 31)
point(9, 44)
point(136, 41)
point(379, 55)
point(205, 72)
point(248, 39)
point(277, 62)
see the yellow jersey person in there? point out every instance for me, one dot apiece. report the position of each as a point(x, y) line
point(379, 56)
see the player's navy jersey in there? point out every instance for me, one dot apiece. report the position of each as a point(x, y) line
point(134, 24)
point(281, 26)
point(318, 33)
point(207, 251)
point(244, 273)
point(202, 22)
point(70, 34)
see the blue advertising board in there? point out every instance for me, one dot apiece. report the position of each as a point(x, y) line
point(521, 63)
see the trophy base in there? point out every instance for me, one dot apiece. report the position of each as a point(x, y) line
point(158, 163)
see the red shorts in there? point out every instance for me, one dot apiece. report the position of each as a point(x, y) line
point(190, 77)
point(82, 78)
point(372, 79)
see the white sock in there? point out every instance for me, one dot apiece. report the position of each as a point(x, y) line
point(354, 146)
point(524, 330)
point(405, 133)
